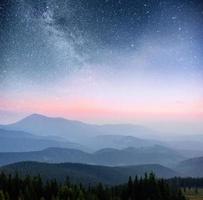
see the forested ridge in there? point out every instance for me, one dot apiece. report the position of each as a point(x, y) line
point(34, 188)
point(188, 182)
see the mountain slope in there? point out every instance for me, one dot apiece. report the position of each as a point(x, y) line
point(133, 156)
point(191, 167)
point(108, 157)
point(119, 142)
point(46, 126)
point(50, 155)
point(86, 173)
point(73, 130)
point(18, 141)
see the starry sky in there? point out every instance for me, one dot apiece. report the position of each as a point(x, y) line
point(103, 61)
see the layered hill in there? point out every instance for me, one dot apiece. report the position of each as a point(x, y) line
point(82, 173)
point(109, 157)
point(191, 167)
point(19, 141)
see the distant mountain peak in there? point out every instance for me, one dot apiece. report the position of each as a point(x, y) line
point(77, 131)
point(38, 116)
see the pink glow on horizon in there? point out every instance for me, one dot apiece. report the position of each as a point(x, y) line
point(92, 109)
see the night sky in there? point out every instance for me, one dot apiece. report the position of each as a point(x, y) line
point(102, 61)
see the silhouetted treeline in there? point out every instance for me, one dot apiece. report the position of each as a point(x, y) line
point(186, 182)
point(33, 188)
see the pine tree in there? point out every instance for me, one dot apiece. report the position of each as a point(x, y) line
point(2, 196)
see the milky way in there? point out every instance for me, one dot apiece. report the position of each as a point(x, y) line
point(102, 60)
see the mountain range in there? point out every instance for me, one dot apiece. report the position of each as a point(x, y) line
point(57, 140)
point(37, 132)
point(95, 137)
point(74, 131)
point(20, 141)
point(108, 157)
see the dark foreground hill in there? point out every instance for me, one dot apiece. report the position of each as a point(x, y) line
point(109, 157)
point(82, 173)
point(191, 167)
